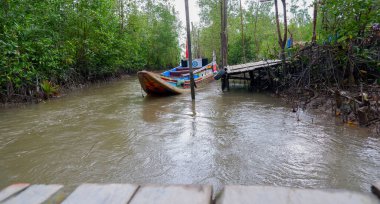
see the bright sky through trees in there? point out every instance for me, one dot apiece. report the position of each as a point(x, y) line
point(194, 13)
point(193, 8)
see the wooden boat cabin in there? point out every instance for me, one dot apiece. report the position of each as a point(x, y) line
point(180, 76)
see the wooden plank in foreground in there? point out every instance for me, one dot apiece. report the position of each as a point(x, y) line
point(37, 194)
point(12, 189)
point(102, 193)
point(182, 194)
point(283, 195)
point(375, 188)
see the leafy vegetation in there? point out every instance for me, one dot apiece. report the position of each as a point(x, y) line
point(341, 21)
point(67, 42)
point(334, 57)
point(48, 88)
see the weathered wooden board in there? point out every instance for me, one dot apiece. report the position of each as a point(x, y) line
point(375, 188)
point(36, 194)
point(283, 195)
point(11, 190)
point(240, 68)
point(101, 193)
point(183, 194)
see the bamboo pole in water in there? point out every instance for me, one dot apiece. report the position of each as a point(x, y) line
point(189, 62)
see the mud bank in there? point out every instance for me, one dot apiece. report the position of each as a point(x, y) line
point(356, 106)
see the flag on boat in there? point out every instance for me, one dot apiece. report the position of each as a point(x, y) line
point(214, 68)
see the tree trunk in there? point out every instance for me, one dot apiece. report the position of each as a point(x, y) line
point(281, 40)
point(224, 41)
point(242, 31)
point(221, 34)
point(255, 30)
point(121, 14)
point(315, 13)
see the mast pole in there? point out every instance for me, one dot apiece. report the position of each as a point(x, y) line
point(190, 60)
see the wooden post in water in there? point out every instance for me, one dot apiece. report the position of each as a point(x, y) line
point(190, 60)
point(223, 39)
point(251, 76)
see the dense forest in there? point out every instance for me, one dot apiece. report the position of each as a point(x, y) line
point(49, 44)
point(46, 44)
point(254, 25)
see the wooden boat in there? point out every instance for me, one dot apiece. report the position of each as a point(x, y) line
point(177, 80)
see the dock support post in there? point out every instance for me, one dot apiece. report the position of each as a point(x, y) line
point(228, 82)
point(251, 76)
point(225, 82)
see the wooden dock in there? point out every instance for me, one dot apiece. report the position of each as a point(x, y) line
point(243, 68)
point(183, 194)
point(253, 72)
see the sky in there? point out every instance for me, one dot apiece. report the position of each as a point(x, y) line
point(194, 16)
point(193, 11)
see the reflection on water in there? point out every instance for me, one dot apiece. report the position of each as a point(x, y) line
point(110, 133)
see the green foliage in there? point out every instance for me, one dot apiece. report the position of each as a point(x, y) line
point(66, 41)
point(339, 20)
point(347, 19)
point(210, 27)
point(49, 88)
point(235, 54)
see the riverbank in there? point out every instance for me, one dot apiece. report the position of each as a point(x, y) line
point(342, 78)
point(352, 107)
point(40, 96)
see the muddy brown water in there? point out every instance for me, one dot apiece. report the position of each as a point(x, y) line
point(109, 133)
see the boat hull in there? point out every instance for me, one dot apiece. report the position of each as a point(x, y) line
point(153, 84)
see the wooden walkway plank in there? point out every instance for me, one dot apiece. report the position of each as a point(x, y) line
point(284, 195)
point(11, 190)
point(182, 194)
point(375, 188)
point(240, 68)
point(37, 194)
point(102, 193)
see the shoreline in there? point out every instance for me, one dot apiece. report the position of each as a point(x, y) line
point(63, 91)
point(353, 108)
point(306, 99)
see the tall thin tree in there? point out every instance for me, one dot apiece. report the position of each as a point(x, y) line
point(281, 40)
point(223, 38)
point(242, 31)
point(315, 13)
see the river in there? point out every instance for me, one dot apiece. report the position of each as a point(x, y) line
point(109, 133)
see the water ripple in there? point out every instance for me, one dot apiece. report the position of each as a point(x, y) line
point(109, 133)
